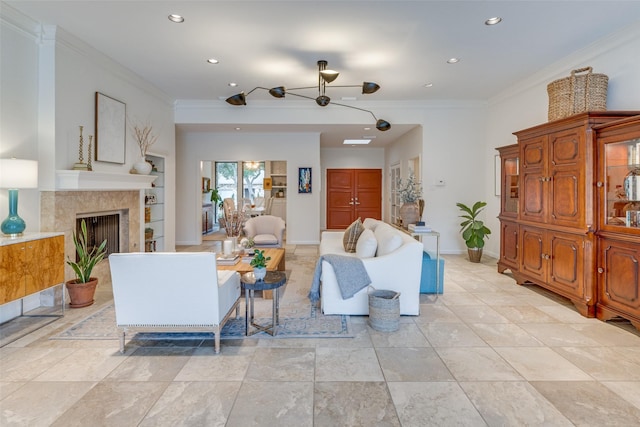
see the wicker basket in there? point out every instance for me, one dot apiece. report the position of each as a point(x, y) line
point(384, 310)
point(577, 93)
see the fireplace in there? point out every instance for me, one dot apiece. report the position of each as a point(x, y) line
point(59, 211)
point(101, 227)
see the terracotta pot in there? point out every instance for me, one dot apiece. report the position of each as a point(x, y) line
point(81, 294)
point(475, 254)
point(410, 213)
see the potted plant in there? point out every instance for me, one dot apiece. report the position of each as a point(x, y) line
point(259, 264)
point(410, 192)
point(473, 230)
point(83, 287)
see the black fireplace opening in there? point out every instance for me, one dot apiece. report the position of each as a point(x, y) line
point(99, 228)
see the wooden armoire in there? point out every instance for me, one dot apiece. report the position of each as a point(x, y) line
point(549, 208)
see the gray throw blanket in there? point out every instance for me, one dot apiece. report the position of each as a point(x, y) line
point(350, 273)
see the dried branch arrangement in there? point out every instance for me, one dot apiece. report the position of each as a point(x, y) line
point(144, 136)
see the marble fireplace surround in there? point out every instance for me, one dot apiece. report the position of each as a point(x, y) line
point(59, 209)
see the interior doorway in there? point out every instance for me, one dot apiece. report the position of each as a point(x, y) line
point(353, 193)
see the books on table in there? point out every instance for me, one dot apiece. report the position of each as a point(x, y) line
point(227, 259)
point(419, 228)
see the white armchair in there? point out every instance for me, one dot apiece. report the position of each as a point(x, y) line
point(266, 231)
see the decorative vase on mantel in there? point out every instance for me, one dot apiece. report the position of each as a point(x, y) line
point(142, 166)
point(410, 213)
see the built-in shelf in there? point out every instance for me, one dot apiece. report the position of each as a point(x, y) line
point(84, 180)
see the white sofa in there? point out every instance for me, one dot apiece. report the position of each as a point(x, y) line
point(172, 292)
point(400, 270)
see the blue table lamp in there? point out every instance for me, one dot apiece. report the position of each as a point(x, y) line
point(15, 174)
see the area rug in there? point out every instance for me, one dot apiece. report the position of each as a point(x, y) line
point(101, 325)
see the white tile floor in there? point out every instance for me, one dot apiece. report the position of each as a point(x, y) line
point(487, 352)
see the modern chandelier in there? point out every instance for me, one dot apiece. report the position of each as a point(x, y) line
point(324, 76)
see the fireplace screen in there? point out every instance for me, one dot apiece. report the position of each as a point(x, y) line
point(102, 227)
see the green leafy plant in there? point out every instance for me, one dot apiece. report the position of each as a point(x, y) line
point(88, 257)
point(473, 230)
point(216, 199)
point(259, 260)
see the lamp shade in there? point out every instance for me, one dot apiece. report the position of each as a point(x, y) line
point(383, 125)
point(369, 87)
point(17, 173)
point(238, 99)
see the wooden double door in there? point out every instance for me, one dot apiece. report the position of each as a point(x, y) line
point(353, 193)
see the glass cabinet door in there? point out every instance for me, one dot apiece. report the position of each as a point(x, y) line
point(622, 183)
point(510, 184)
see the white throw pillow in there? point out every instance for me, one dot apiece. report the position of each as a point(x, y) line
point(370, 223)
point(388, 240)
point(367, 244)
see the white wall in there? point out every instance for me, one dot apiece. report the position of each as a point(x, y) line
point(525, 104)
point(19, 107)
point(453, 134)
point(298, 149)
point(348, 158)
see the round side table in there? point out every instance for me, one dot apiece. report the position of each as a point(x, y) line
point(274, 280)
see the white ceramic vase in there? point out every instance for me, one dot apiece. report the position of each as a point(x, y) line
point(259, 272)
point(142, 167)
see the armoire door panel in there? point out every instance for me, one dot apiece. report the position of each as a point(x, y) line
point(532, 196)
point(566, 197)
point(533, 251)
point(533, 154)
point(509, 243)
point(567, 266)
point(565, 148)
point(621, 275)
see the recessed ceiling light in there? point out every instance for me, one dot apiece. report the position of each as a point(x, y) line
point(176, 18)
point(348, 98)
point(232, 84)
point(212, 61)
point(356, 141)
point(367, 128)
point(453, 60)
point(238, 128)
point(428, 85)
point(493, 21)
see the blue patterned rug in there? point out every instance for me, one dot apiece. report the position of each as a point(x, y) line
point(101, 325)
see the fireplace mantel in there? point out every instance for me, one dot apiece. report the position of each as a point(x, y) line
point(85, 181)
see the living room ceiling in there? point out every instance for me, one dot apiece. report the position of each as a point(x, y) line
point(401, 45)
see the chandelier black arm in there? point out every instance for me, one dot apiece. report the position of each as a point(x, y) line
point(337, 103)
point(301, 96)
point(360, 85)
point(257, 87)
point(300, 88)
point(355, 108)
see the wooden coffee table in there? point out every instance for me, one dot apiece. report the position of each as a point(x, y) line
point(276, 263)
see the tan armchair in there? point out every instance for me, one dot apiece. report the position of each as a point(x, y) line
point(266, 231)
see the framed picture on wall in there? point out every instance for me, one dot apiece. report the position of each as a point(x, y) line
point(267, 184)
point(206, 185)
point(304, 180)
point(110, 131)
